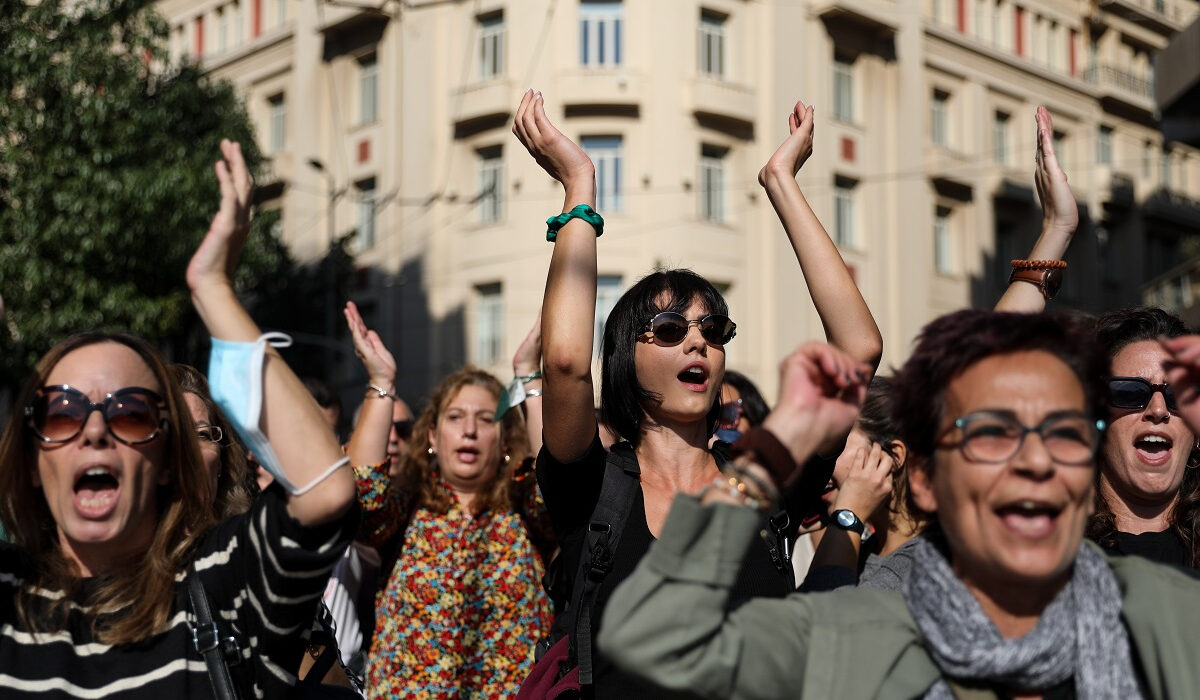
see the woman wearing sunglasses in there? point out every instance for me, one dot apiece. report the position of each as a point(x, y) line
point(1002, 417)
point(662, 364)
point(1148, 496)
point(106, 498)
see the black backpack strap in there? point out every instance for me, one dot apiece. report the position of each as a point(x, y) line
point(599, 548)
point(206, 637)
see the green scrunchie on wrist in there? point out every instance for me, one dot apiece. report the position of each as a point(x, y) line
point(581, 211)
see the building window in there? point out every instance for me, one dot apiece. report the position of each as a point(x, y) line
point(605, 152)
point(365, 234)
point(1104, 145)
point(1164, 166)
point(608, 291)
point(222, 32)
point(1000, 137)
point(712, 44)
point(712, 182)
point(600, 32)
point(489, 324)
point(281, 12)
point(491, 45)
point(237, 19)
point(491, 184)
point(278, 111)
point(943, 243)
point(368, 90)
point(1147, 158)
point(1060, 147)
point(939, 127)
point(845, 231)
point(843, 88)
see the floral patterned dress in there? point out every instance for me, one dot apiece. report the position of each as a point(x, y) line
point(463, 605)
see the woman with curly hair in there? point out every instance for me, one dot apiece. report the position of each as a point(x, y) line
point(1148, 495)
point(463, 603)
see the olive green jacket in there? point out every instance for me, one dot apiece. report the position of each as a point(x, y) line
point(667, 622)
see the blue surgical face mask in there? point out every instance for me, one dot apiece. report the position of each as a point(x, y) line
point(235, 375)
point(728, 435)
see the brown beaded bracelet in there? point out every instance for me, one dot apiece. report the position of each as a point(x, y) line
point(1039, 264)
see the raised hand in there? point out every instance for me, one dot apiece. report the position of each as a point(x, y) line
point(558, 155)
point(216, 257)
point(1183, 373)
point(821, 389)
point(528, 358)
point(864, 479)
point(796, 148)
point(374, 355)
point(1059, 211)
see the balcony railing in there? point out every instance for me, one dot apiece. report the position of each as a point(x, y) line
point(1121, 82)
point(1173, 14)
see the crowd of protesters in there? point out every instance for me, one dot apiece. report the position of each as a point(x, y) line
point(1012, 513)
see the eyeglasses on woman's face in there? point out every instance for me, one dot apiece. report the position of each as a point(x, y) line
point(670, 328)
point(132, 415)
point(210, 433)
point(993, 437)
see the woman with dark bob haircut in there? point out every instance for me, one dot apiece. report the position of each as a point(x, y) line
point(662, 364)
point(1148, 495)
point(1001, 415)
point(107, 500)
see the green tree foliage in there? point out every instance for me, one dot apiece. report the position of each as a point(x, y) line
point(106, 178)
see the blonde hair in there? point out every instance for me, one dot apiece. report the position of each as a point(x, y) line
point(141, 587)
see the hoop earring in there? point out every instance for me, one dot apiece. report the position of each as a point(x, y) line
point(1194, 458)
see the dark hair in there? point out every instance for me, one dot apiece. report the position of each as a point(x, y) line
point(1115, 331)
point(622, 398)
point(754, 407)
point(951, 344)
point(236, 487)
point(878, 422)
point(143, 587)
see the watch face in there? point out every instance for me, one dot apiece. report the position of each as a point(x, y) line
point(1052, 280)
point(845, 518)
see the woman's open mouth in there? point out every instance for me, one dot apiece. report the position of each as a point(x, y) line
point(1029, 518)
point(694, 377)
point(96, 491)
point(1153, 448)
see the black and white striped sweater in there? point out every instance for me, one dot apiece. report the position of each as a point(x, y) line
point(263, 573)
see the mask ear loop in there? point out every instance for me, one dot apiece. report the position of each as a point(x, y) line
point(282, 340)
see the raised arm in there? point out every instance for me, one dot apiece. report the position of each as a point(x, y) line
point(848, 322)
point(1060, 218)
point(527, 364)
point(568, 311)
point(290, 418)
point(382, 506)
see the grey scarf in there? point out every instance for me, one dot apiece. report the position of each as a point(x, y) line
point(1079, 635)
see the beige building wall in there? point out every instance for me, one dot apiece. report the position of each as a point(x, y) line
point(922, 169)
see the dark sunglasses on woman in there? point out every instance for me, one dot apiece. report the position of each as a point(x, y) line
point(58, 413)
point(731, 413)
point(670, 328)
point(1135, 393)
point(403, 428)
